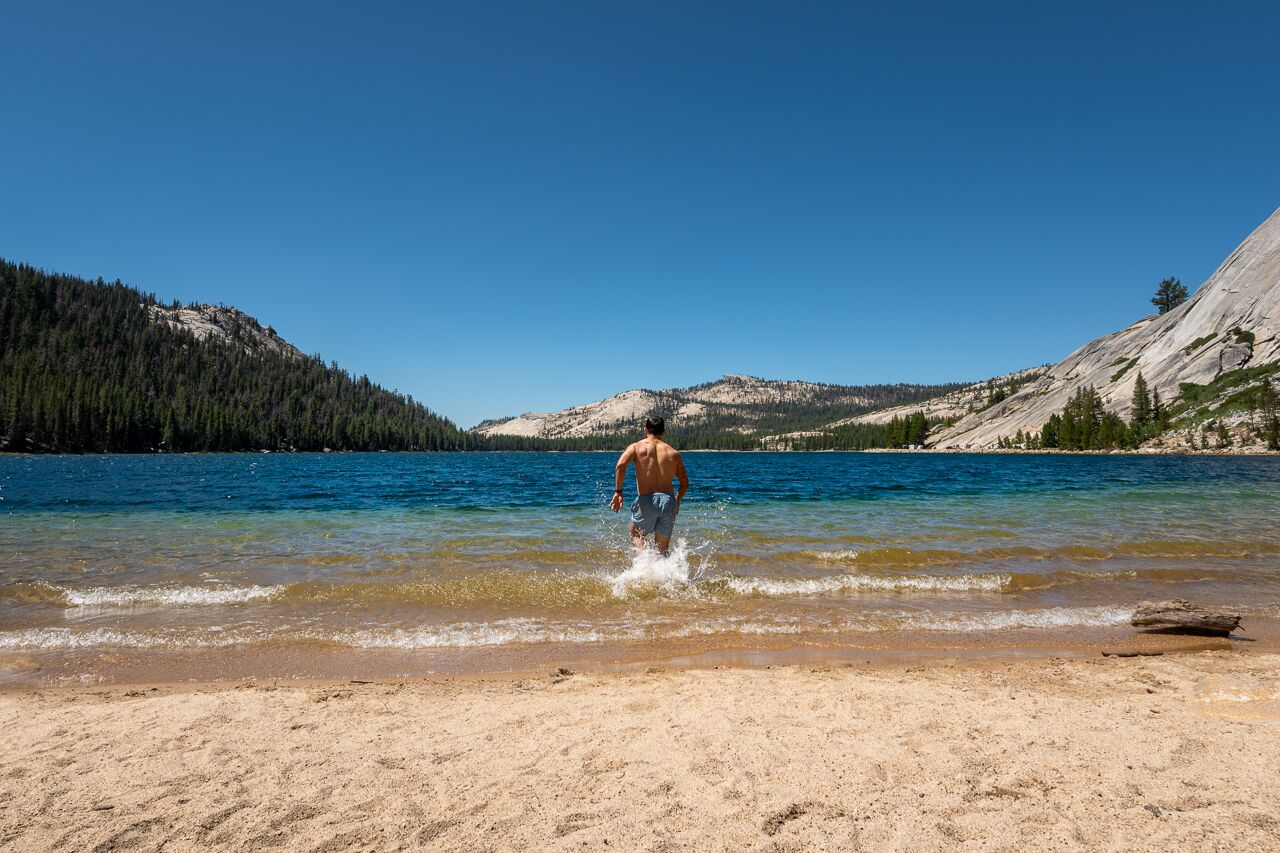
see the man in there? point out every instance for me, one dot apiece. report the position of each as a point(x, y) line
point(657, 464)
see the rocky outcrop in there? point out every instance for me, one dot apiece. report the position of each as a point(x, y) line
point(229, 324)
point(1231, 321)
point(605, 416)
point(956, 404)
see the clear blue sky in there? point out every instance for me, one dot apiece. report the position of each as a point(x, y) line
point(500, 207)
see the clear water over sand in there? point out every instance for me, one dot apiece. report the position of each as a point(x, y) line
point(484, 560)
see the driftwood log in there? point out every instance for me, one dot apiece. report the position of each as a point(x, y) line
point(1182, 617)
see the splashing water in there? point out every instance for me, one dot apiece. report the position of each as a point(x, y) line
point(649, 568)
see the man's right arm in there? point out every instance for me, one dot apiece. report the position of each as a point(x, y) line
point(683, 476)
point(620, 476)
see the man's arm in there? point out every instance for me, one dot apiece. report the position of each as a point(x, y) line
point(683, 476)
point(620, 476)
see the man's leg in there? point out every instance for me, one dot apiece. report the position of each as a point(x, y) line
point(665, 526)
point(637, 537)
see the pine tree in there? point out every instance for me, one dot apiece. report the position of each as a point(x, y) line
point(1050, 432)
point(1141, 402)
point(1169, 295)
point(1269, 406)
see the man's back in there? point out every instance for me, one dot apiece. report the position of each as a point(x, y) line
point(657, 464)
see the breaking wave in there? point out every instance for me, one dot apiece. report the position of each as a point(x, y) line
point(67, 638)
point(840, 583)
point(467, 634)
point(1052, 617)
point(182, 596)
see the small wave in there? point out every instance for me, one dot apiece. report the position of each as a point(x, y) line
point(1082, 552)
point(505, 588)
point(835, 556)
point(1053, 617)
point(181, 596)
point(839, 583)
point(32, 592)
point(1179, 548)
point(908, 557)
point(896, 556)
point(750, 627)
point(52, 639)
point(467, 634)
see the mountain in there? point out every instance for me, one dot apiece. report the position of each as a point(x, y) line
point(1206, 358)
point(92, 367)
point(734, 411)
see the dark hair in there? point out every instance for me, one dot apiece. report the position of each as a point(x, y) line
point(655, 425)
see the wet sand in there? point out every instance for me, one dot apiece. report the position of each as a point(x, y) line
point(319, 661)
point(1174, 751)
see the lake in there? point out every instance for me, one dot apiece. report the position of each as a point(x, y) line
point(240, 565)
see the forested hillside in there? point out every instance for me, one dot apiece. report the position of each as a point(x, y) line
point(91, 367)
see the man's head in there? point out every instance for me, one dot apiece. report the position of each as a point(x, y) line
point(655, 425)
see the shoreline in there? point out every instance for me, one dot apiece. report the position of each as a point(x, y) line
point(1133, 753)
point(23, 670)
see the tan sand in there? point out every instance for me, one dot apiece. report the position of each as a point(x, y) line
point(1151, 753)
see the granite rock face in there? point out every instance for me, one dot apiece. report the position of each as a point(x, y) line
point(216, 321)
point(1231, 321)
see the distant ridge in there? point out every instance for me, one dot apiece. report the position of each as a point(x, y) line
point(735, 405)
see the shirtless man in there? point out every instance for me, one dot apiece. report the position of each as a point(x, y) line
point(657, 464)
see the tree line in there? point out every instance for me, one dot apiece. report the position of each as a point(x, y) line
point(84, 367)
point(1086, 424)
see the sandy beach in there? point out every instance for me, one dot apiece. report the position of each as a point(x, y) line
point(1171, 751)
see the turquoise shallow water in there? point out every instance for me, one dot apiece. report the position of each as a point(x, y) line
point(460, 553)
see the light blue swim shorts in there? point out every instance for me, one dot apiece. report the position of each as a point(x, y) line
point(655, 513)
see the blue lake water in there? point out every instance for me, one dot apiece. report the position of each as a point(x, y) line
point(114, 558)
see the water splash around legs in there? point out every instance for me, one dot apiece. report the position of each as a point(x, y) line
point(649, 568)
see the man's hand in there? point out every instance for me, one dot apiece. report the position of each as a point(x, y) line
point(616, 503)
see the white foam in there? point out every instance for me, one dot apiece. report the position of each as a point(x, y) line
point(181, 596)
point(67, 638)
point(835, 555)
point(838, 583)
point(650, 569)
point(467, 634)
point(704, 629)
point(1052, 617)
point(523, 630)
